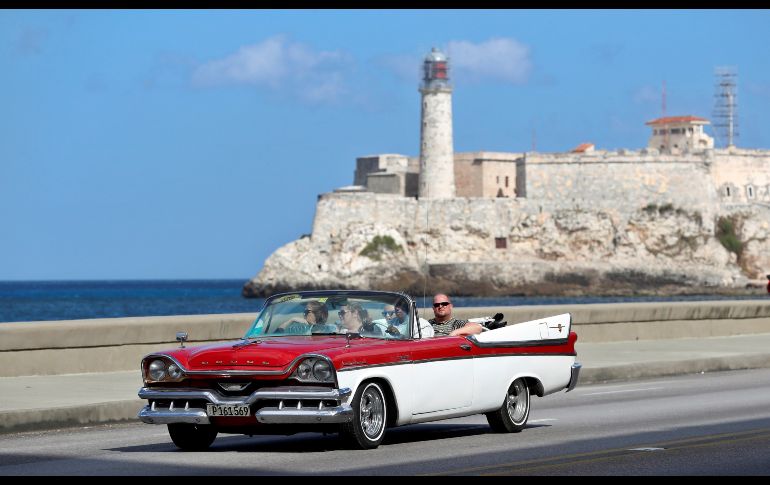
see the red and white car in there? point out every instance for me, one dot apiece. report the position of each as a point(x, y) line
point(295, 372)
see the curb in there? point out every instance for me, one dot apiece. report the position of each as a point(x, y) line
point(71, 416)
point(627, 372)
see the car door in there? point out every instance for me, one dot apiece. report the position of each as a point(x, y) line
point(443, 374)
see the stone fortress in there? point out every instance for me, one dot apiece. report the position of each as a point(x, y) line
point(679, 216)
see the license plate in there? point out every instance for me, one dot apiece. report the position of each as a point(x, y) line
point(228, 410)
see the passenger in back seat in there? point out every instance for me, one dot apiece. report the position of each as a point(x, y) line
point(443, 323)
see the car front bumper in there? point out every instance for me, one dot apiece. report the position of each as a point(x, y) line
point(179, 410)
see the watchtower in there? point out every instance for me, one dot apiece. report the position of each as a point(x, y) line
point(437, 179)
point(680, 133)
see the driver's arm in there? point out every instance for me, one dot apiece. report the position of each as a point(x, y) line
point(467, 329)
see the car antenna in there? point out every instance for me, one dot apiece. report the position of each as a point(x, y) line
point(425, 261)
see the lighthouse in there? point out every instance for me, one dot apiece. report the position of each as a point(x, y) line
point(437, 178)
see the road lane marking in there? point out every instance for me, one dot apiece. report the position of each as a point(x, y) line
point(626, 390)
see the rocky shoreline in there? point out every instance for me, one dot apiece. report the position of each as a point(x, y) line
point(493, 247)
point(639, 286)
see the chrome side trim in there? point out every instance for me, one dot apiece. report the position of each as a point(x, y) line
point(574, 375)
point(276, 393)
point(339, 414)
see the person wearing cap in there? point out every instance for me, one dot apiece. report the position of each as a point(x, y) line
point(443, 323)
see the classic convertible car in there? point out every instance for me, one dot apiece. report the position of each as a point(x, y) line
point(377, 366)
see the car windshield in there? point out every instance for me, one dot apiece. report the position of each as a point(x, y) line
point(374, 315)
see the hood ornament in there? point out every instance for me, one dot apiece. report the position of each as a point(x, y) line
point(182, 337)
point(245, 341)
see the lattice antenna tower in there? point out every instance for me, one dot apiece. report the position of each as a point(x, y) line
point(726, 105)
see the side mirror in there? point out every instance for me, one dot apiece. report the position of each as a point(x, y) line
point(182, 337)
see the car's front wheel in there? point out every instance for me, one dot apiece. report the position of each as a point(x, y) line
point(370, 414)
point(192, 437)
point(513, 414)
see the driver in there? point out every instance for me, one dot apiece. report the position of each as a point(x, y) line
point(354, 318)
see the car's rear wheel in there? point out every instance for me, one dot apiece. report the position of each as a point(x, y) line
point(370, 413)
point(192, 437)
point(513, 414)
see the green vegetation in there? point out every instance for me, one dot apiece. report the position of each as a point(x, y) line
point(651, 209)
point(728, 238)
point(666, 208)
point(375, 248)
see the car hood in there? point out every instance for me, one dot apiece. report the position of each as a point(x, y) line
point(257, 354)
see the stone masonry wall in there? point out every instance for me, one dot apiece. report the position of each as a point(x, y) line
point(626, 182)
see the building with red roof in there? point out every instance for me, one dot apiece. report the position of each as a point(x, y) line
point(679, 133)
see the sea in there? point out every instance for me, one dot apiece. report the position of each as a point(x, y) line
point(34, 301)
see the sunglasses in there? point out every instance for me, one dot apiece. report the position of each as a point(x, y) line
point(342, 313)
point(307, 312)
point(440, 304)
point(386, 313)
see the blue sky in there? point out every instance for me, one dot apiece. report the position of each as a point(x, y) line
point(192, 144)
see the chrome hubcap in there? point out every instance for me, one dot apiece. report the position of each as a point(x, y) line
point(516, 401)
point(372, 412)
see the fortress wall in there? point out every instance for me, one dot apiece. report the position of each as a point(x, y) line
point(488, 218)
point(468, 176)
point(499, 177)
point(336, 210)
point(741, 169)
point(386, 183)
point(472, 223)
point(626, 183)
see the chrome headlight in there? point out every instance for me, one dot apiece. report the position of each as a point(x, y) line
point(322, 371)
point(157, 370)
point(314, 369)
point(160, 369)
point(304, 369)
point(174, 372)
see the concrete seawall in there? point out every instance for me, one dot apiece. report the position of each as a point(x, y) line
point(118, 344)
point(105, 344)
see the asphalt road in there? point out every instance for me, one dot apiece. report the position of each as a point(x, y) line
point(704, 424)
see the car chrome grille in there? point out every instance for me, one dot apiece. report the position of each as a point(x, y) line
point(233, 387)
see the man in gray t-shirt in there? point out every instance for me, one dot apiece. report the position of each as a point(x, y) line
point(443, 323)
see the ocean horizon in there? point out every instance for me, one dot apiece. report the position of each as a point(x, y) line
point(32, 301)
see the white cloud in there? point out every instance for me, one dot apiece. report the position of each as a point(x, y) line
point(280, 64)
point(405, 67)
point(646, 95)
point(498, 59)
